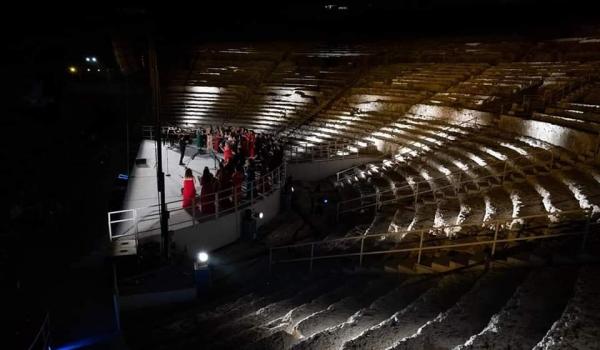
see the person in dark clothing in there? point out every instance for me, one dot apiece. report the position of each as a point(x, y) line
point(200, 142)
point(487, 257)
point(250, 174)
point(182, 145)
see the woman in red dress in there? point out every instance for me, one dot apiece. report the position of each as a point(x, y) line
point(207, 192)
point(189, 190)
point(251, 144)
point(227, 153)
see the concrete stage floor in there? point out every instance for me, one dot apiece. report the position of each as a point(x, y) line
point(142, 193)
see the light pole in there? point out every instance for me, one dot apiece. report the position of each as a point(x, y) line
point(160, 176)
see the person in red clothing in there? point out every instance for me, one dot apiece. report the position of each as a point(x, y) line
point(244, 142)
point(227, 153)
point(207, 192)
point(188, 190)
point(251, 144)
point(217, 141)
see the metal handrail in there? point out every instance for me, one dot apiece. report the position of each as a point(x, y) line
point(410, 144)
point(263, 186)
point(335, 149)
point(437, 228)
point(496, 224)
point(43, 334)
point(507, 163)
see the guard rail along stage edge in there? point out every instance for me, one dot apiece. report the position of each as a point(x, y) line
point(194, 230)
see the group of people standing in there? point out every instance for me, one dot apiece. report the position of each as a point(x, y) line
point(239, 156)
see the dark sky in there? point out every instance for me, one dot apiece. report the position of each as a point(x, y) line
point(305, 19)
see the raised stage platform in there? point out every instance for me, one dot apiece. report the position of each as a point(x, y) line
point(139, 218)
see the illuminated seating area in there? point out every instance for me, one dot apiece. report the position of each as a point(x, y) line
point(257, 88)
point(432, 109)
point(469, 175)
point(580, 110)
point(379, 98)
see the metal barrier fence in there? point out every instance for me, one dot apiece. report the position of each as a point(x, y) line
point(509, 166)
point(583, 215)
point(324, 151)
point(130, 223)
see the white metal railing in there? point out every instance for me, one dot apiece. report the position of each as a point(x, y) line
point(420, 188)
point(475, 120)
point(42, 338)
point(149, 130)
point(324, 151)
point(495, 225)
point(136, 221)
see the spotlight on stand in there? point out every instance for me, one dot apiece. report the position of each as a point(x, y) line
point(202, 274)
point(202, 257)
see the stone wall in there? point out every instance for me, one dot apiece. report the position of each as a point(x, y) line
point(576, 141)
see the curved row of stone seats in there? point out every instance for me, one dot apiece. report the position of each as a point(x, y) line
point(577, 327)
point(277, 86)
point(470, 313)
point(380, 94)
point(580, 111)
point(510, 82)
point(529, 191)
point(512, 305)
point(540, 300)
point(269, 303)
point(472, 51)
point(579, 95)
point(214, 84)
point(169, 330)
point(565, 49)
point(293, 90)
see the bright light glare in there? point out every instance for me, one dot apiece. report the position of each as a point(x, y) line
point(73, 69)
point(260, 215)
point(202, 257)
point(87, 59)
point(94, 59)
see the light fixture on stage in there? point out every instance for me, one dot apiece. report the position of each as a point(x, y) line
point(72, 69)
point(292, 188)
point(260, 215)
